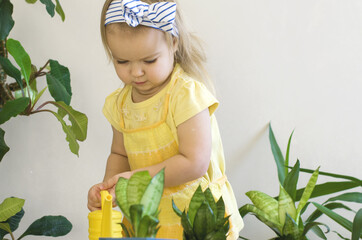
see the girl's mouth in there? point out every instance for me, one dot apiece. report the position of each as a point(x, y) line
point(139, 83)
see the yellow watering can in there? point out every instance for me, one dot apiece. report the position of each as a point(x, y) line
point(105, 222)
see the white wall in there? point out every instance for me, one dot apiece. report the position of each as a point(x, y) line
point(294, 63)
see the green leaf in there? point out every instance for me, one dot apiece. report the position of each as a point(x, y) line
point(318, 231)
point(290, 227)
point(136, 187)
point(220, 205)
point(286, 206)
point(152, 196)
point(13, 108)
point(348, 197)
point(54, 226)
point(175, 209)
point(307, 192)
point(9, 207)
point(336, 217)
point(70, 136)
point(328, 188)
point(340, 236)
point(5, 227)
point(148, 226)
point(265, 203)
point(262, 216)
point(334, 205)
point(58, 80)
point(121, 196)
point(11, 70)
point(290, 182)
point(287, 155)
point(197, 199)
point(311, 225)
point(37, 97)
point(204, 221)
point(334, 175)
point(13, 223)
point(6, 20)
point(3, 147)
point(78, 120)
point(31, 1)
point(49, 6)
point(186, 224)
point(59, 10)
point(135, 212)
point(357, 225)
point(278, 156)
point(210, 199)
point(21, 57)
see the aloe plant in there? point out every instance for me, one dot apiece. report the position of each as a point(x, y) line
point(139, 198)
point(11, 213)
point(282, 214)
point(19, 97)
point(205, 218)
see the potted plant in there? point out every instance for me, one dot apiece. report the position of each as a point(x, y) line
point(19, 97)
point(281, 214)
point(205, 218)
point(139, 198)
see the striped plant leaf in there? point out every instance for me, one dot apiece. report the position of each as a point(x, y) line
point(291, 228)
point(307, 192)
point(204, 221)
point(264, 217)
point(220, 209)
point(137, 185)
point(121, 196)
point(286, 163)
point(197, 199)
point(210, 199)
point(176, 209)
point(285, 206)
point(152, 195)
point(265, 203)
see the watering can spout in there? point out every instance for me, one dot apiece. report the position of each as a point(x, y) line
point(106, 226)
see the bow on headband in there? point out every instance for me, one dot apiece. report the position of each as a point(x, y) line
point(160, 15)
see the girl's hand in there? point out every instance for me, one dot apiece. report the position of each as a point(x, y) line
point(94, 197)
point(110, 184)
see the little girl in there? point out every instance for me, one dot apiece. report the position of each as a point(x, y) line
point(163, 117)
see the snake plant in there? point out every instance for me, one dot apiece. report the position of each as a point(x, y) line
point(282, 214)
point(205, 219)
point(139, 198)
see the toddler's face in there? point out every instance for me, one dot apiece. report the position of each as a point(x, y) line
point(142, 58)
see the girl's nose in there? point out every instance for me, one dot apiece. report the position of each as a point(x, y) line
point(137, 70)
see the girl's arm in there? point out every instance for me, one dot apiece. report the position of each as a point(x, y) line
point(193, 160)
point(117, 163)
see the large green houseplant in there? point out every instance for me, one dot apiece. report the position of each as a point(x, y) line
point(19, 96)
point(285, 219)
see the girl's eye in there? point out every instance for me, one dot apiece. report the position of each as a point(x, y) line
point(121, 62)
point(151, 61)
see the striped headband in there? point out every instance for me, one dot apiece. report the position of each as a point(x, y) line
point(160, 15)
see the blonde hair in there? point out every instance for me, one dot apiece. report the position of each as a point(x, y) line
point(189, 54)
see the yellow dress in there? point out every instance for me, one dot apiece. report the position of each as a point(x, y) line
point(149, 130)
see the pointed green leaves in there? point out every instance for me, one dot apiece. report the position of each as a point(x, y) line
point(290, 182)
point(278, 156)
point(6, 20)
point(197, 199)
point(58, 80)
point(13, 108)
point(348, 197)
point(9, 207)
point(21, 57)
point(54, 226)
point(286, 206)
point(175, 209)
point(204, 221)
point(49, 6)
point(121, 196)
point(265, 203)
point(3, 147)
